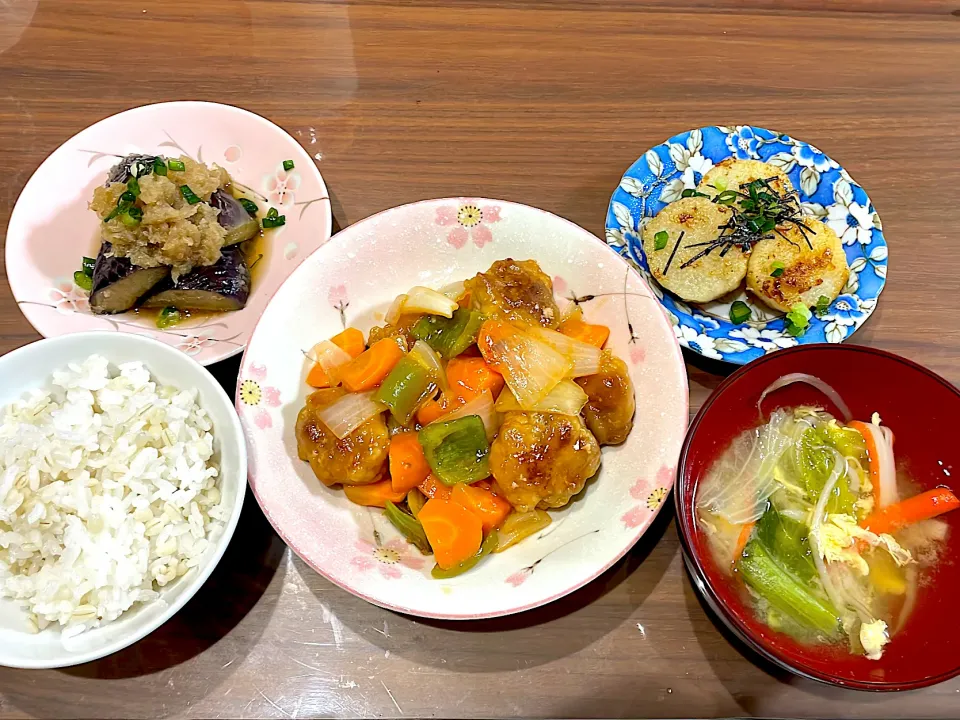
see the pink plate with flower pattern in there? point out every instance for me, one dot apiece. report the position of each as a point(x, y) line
point(351, 281)
point(52, 229)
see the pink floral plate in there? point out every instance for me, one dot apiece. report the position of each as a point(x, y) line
point(352, 281)
point(51, 227)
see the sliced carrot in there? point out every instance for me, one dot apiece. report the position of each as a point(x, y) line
point(368, 369)
point(491, 509)
point(454, 532)
point(742, 539)
point(585, 332)
point(873, 458)
point(912, 510)
point(408, 466)
point(350, 341)
point(467, 377)
point(433, 488)
point(433, 410)
point(375, 495)
point(470, 376)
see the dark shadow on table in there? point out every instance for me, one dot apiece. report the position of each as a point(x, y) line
point(519, 641)
point(726, 654)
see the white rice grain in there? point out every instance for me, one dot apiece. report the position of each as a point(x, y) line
point(108, 492)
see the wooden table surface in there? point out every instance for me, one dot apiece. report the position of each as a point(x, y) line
point(544, 103)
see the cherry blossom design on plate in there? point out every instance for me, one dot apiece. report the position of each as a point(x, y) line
point(281, 187)
point(661, 484)
point(471, 221)
point(387, 558)
point(258, 396)
point(195, 344)
point(233, 154)
point(520, 576)
point(68, 297)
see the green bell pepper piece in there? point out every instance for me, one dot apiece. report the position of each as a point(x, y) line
point(449, 337)
point(407, 385)
point(784, 593)
point(408, 526)
point(457, 450)
point(488, 546)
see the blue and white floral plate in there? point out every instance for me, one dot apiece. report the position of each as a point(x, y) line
point(827, 192)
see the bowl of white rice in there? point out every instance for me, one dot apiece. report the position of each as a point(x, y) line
point(123, 470)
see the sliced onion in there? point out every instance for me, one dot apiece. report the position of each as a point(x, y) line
point(330, 357)
point(887, 492)
point(816, 523)
point(424, 300)
point(396, 310)
point(481, 406)
point(531, 368)
point(567, 398)
point(431, 360)
point(569, 310)
point(813, 381)
point(350, 412)
point(584, 358)
point(454, 290)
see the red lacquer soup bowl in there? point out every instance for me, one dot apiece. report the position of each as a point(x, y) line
point(922, 409)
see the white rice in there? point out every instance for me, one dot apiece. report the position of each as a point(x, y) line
point(108, 492)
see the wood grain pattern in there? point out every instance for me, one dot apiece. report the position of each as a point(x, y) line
point(544, 103)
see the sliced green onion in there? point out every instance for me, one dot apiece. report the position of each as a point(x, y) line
point(689, 192)
point(249, 206)
point(88, 265)
point(189, 195)
point(776, 269)
point(739, 312)
point(274, 222)
point(823, 304)
point(126, 198)
point(727, 197)
point(272, 213)
point(660, 240)
point(159, 168)
point(133, 186)
point(82, 280)
point(176, 165)
point(168, 317)
point(798, 319)
point(288, 164)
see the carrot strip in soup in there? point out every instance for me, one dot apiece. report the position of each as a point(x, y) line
point(408, 466)
point(491, 510)
point(924, 506)
point(351, 342)
point(745, 532)
point(454, 532)
point(369, 369)
point(374, 495)
point(595, 335)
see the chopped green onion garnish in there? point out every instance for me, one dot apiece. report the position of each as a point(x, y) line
point(274, 222)
point(158, 167)
point(167, 317)
point(739, 312)
point(88, 265)
point(288, 164)
point(727, 197)
point(249, 206)
point(82, 280)
point(176, 165)
point(798, 319)
point(776, 269)
point(693, 193)
point(823, 304)
point(660, 240)
point(133, 186)
point(132, 217)
point(189, 195)
point(272, 213)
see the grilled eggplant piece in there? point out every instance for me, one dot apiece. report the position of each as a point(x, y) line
point(118, 285)
point(233, 218)
point(121, 171)
point(225, 285)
